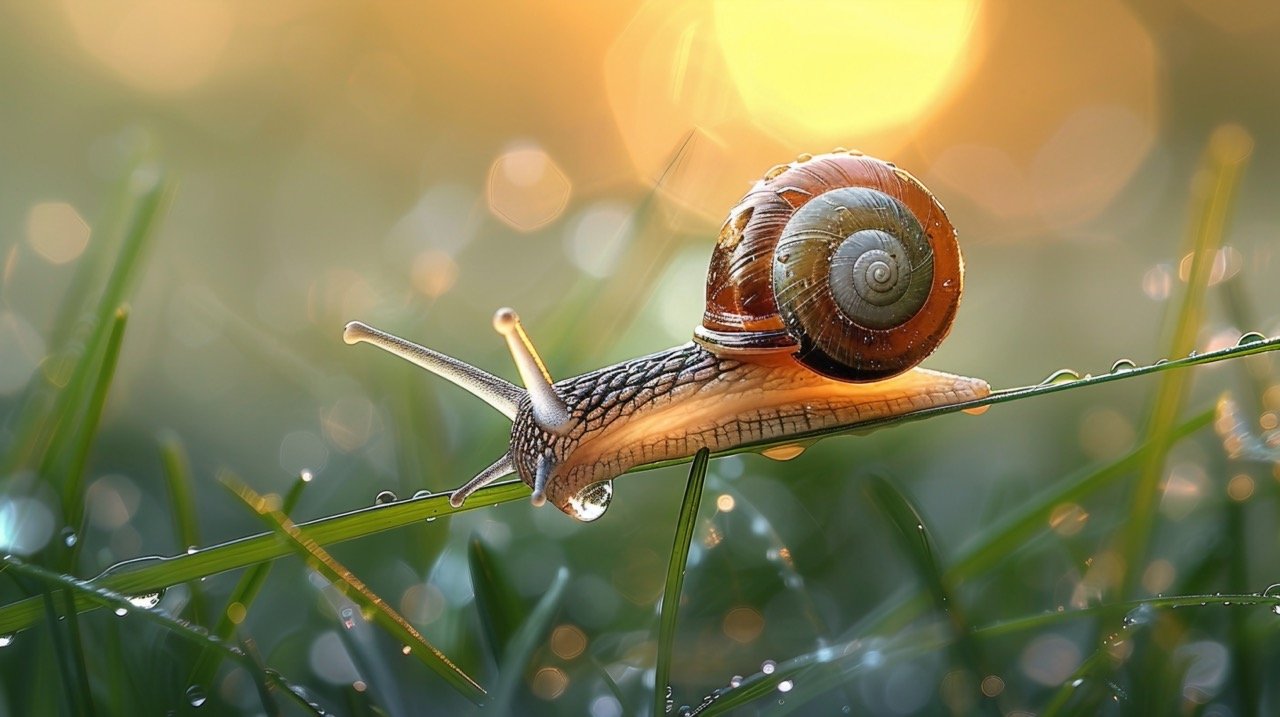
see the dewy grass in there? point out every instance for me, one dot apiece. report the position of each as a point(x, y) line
point(150, 574)
point(355, 589)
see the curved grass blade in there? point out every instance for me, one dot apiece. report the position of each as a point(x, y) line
point(177, 477)
point(523, 643)
point(498, 604)
point(354, 588)
point(675, 579)
point(152, 573)
point(914, 537)
point(102, 597)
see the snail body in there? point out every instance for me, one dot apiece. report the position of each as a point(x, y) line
point(830, 281)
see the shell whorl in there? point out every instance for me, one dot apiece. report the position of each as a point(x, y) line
point(844, 260)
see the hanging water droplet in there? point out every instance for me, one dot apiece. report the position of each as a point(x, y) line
point(1062, 375)
point(768, 666)
point(384, 497)
point(1123, 365)
point(69, 537)
point(146, 601)
point(592, 501)
point(7, 639)
point(736, 680)
point(1274, 609)
point(786, 685)
point(195, 696)
point(121, 612)
point(1250, 337)
point(305, 476)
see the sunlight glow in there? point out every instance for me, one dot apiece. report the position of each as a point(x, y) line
point(837, 70)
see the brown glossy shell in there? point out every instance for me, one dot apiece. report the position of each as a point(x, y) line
point(741, 312)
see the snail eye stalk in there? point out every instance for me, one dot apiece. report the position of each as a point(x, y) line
point(549, 410)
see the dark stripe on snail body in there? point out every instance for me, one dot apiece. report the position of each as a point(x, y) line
point(830, 281)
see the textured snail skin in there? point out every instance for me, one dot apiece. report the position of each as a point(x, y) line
point(669, 404)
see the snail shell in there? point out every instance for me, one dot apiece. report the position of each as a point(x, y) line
point(843, 260)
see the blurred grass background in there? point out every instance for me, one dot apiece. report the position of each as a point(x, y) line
point(417, 166)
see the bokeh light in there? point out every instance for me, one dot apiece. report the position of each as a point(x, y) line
point(57, 232)
point(526, 189)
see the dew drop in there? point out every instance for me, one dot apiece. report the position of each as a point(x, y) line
point(348, 616)
point(592, 501)
point(195, 696)
point(1077, 682)
point(69, 537)
point(768, 667)
point(736, 680)
point(1267, 592)
point(146, 601)
point(406, 650)
point(424, 493)
point(384, 497)
point(121, 612)
point(1062, 375)
point(1123, 365)
point(1275, 609)
point(1251, 337)
point(7, 639)
point(786, 685)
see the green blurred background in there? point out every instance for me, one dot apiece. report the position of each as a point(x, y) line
point(417, 165)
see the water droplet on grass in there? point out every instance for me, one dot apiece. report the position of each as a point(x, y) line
point(6, 639)
point(195, 696)
point(146, 601)
point(1122, 366)
point(592, 501)
point(768, 667)
point(1062, 375)
point(384, 497)
point(1250, 337)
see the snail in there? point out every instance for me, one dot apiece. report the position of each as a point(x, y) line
point(829, 282)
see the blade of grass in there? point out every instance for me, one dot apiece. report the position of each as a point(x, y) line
point(152, 573)
point(383, 614)
point(679, 561)
point(73, 479)
point(178, 481)
point(39, 429)
point(66, 671)
point(1225, 160)
point(499, 605)
point(914, 538)
point(115, 601)
point(243, 595)
point(72, 619)
point(523, 643)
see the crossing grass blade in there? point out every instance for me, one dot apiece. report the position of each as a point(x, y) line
point(244, 593)
point(369, 601)
point(685, 526)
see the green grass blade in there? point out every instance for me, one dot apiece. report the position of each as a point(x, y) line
point(178, 481)
point(41, 425)
point(1225, 160)
point(82, 443)
point(369, 601)
point(244, 593)
point(182, 504)
point(914, 537)
point(72, 619)
point(499, 605)
point(685, 526)
point(523, 643)
point(101, 597)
